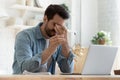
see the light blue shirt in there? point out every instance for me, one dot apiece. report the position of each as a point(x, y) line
point(29, 45)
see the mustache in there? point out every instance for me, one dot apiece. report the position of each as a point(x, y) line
point(53, 30)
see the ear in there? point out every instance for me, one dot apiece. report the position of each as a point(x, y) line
point(45, 19)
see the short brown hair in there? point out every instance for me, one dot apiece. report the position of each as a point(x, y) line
point(56, 9)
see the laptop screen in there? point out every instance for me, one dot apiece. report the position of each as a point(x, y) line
point(100, 59)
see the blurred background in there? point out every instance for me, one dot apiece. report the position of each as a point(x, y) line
point(87, 17)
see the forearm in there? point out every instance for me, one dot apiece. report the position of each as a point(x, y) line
point(46, 55)
point(65, 50)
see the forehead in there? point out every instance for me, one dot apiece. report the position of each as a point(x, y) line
point(58, 20)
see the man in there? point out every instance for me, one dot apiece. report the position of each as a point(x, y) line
point(39, 48)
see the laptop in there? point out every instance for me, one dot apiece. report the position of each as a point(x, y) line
point(99, 60)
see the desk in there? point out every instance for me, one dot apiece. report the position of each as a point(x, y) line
point(57, 77)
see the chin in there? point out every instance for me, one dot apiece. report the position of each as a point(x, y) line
point(52, 34)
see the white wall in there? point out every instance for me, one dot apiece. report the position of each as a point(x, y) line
point(6, 50)
point(6, 41)
point(45, 3)
point(88, 21)
point(76, 22)
point(99, 15)
point(108, 18)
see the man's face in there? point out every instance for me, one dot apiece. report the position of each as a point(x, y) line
point(52, 23)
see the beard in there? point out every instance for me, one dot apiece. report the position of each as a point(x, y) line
point(49, 32)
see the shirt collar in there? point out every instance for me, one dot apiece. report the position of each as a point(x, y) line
point(38, 32)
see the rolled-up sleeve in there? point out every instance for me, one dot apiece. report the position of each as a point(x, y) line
point(24, 55)
point(66, 64)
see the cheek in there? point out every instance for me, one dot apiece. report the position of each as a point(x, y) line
point(51, 27)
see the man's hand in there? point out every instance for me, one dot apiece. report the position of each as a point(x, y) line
point(61, 30)
point(55, 41)
point(53, 44)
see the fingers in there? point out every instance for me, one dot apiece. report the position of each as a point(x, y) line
point(60, 29)
point(57, 36)
point(54, 43)
point(56, 40)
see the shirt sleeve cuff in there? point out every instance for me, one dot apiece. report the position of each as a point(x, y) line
point(38, 58)
point(69, 59)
